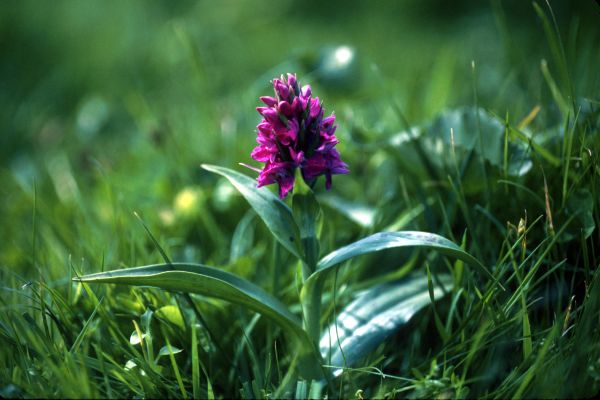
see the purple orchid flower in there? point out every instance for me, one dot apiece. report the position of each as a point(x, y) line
point(293, 134)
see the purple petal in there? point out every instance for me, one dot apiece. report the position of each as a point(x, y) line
point(265, 177)
point(335, 164)
point(328, 181)
point(280, 172)
point(298, 157)
point(270, 114)
point(314, 166)
point(291, 111)
point(291, 78)
point(261, 153)
point(306, 91)
point(315, 108)
point(268, 100)
point(289, 134)
point(328, 121)
point(285, 108)
point(298, 106)
point(282, 90)
point(286, 184)
point(340, 168)
point(265, 128)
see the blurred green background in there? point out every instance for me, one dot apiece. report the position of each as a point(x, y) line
point(112, 106)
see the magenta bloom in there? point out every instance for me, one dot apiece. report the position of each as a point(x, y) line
point(293, 134)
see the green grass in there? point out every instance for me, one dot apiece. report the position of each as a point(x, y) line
point(101, 124)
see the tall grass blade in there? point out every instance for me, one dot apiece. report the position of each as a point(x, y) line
point(195, 364)
point(171, 353)
point(85, 328)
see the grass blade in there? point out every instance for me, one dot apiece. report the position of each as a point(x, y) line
point(195, 365)
point(85, 328)
point(175, 368)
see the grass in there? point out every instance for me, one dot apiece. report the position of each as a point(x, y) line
point(104, 125)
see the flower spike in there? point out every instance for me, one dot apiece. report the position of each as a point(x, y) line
point(294, 134)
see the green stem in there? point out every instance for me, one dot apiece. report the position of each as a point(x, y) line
point(310, 246)
point(305, 272)
point(308, 216)
point(311, 308)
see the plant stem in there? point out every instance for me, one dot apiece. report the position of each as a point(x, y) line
point(311, 308)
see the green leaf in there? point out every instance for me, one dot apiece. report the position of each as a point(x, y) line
point(374, 315)
point(208, 281)
point(464, 124)
point(275, 213)
point(456, 132)
point(164, 351)
point(311, 292)
point(301, 390)
point(135, 338)
point(387, 240)
point(241, 242)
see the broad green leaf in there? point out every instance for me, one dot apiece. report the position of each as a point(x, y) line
point(275, 213)
point(208, 281)
point(311, 292)
point(387, 240)
point(374, 315)
point(466, 123)
point(457, 132)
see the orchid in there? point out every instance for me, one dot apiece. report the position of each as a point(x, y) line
point(295, 134)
